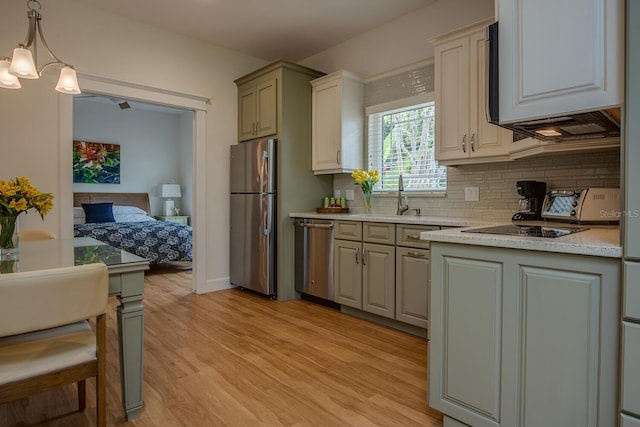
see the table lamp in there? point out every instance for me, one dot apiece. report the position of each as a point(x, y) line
point(168, 192)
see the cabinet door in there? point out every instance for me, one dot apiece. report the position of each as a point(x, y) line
point(246, 113)
point(466, 337)
point(485, 139)
point(326, 126)
point(630, 397)
point(560, 311)
point(452, 98)
point(555, 60)
point(348, 273)
point(266, 108)
point(412, 286)
point(627, 421)
point(378, 279)
point(257, 110)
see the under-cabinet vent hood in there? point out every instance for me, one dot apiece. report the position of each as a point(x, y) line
point(579, 126)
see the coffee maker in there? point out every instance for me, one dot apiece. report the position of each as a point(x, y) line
point(532, 195)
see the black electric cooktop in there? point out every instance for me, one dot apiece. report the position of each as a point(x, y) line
point(527, 230)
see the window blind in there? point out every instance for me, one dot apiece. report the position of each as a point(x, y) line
point(401, 141)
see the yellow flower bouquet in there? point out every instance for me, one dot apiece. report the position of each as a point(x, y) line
point(18, 196)
point(366, 181)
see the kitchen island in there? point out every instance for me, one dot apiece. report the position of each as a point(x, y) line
point(524, 330)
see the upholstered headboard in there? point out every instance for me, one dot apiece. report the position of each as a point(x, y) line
point(139, 200)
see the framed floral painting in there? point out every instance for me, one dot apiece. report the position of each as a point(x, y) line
point(96, 163)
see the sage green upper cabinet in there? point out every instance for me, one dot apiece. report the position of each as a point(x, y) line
point(559, 57)
point(338, 123)
point(257, 108)
point(463, 134)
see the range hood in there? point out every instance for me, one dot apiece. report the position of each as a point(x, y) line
point(583, 125)
point(567, 127)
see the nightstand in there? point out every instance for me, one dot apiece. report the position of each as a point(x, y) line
point(178, 218)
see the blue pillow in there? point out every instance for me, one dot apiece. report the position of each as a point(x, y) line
point(98, 212)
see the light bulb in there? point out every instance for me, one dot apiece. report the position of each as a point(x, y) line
point(8, 81)
point(68, 82)
point(22, 64)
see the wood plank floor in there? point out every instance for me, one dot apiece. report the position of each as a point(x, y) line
point(233, 358)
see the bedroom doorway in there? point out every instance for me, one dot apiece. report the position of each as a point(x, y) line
point(194, 110)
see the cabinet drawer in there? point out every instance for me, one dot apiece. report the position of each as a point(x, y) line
point(409, 235)
point(348, 230)
point(628, 421)
point(377, 232)
point(631, 304)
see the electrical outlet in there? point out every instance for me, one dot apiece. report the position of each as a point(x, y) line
point(336, 194)
point(471, 194)
point(349, 194)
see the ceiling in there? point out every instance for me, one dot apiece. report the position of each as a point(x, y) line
point(268, 29)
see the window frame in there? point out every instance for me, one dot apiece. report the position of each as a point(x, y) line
point(390, 107)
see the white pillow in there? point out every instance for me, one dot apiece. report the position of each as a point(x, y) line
point(78, 215)
point(132, 217)
point(127, 210)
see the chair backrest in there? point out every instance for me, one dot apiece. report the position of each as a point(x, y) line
point(32, 235)
point(42, 299)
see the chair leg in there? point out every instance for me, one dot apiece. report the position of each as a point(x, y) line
point(82, 395)
point(101, 378)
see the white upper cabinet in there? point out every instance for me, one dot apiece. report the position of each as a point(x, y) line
point(463, 134)
point(559, 57)
point(337, 133)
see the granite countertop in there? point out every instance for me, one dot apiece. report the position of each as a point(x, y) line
point(394, 219)
point(598, 240)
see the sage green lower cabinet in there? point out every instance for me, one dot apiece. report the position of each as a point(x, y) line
point(378, 279)
point(630, 393)
point(364, 272)
point(627, 421)
point(523, 338)
point(347, 273)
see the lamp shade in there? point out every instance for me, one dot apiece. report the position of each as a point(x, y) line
point(170, 190)
point(22, 64)
point(68, 82)
point(8, 81)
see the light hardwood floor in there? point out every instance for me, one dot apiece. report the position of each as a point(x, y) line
point(233, 358)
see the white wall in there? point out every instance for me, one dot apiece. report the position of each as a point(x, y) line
point(107, 45)
point(400, 42)
point(151, 148)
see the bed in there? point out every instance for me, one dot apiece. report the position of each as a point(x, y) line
point(131, 228)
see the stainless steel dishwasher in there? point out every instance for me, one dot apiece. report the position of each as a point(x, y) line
point(314, 257)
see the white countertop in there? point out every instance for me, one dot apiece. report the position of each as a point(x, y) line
point(602, 241)
point(599, 240)
point(394, 219)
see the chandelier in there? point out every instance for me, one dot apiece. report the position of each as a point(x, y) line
point(23, 64)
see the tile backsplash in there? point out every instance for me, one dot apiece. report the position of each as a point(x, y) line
point(497, 185)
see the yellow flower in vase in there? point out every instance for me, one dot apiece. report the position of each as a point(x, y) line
point(366, 181)
point(18, 196)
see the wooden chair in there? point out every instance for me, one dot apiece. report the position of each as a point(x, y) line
point(32, 235)
point(45, 338)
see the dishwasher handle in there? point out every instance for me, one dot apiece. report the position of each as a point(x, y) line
point(312, 225)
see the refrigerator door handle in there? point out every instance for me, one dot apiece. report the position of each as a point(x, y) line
point(266, 230)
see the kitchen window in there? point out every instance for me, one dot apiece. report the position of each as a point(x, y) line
point(401, 141)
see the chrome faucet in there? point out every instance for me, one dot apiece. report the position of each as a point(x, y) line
point(401, 208)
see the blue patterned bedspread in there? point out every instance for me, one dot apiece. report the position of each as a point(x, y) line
point(157, 241)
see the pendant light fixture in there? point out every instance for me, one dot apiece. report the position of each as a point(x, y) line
point(23, 64)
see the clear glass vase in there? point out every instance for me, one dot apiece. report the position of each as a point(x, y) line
point(8, 237)
point(367, 201)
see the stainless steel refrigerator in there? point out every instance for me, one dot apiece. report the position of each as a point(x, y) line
point(253, 213)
